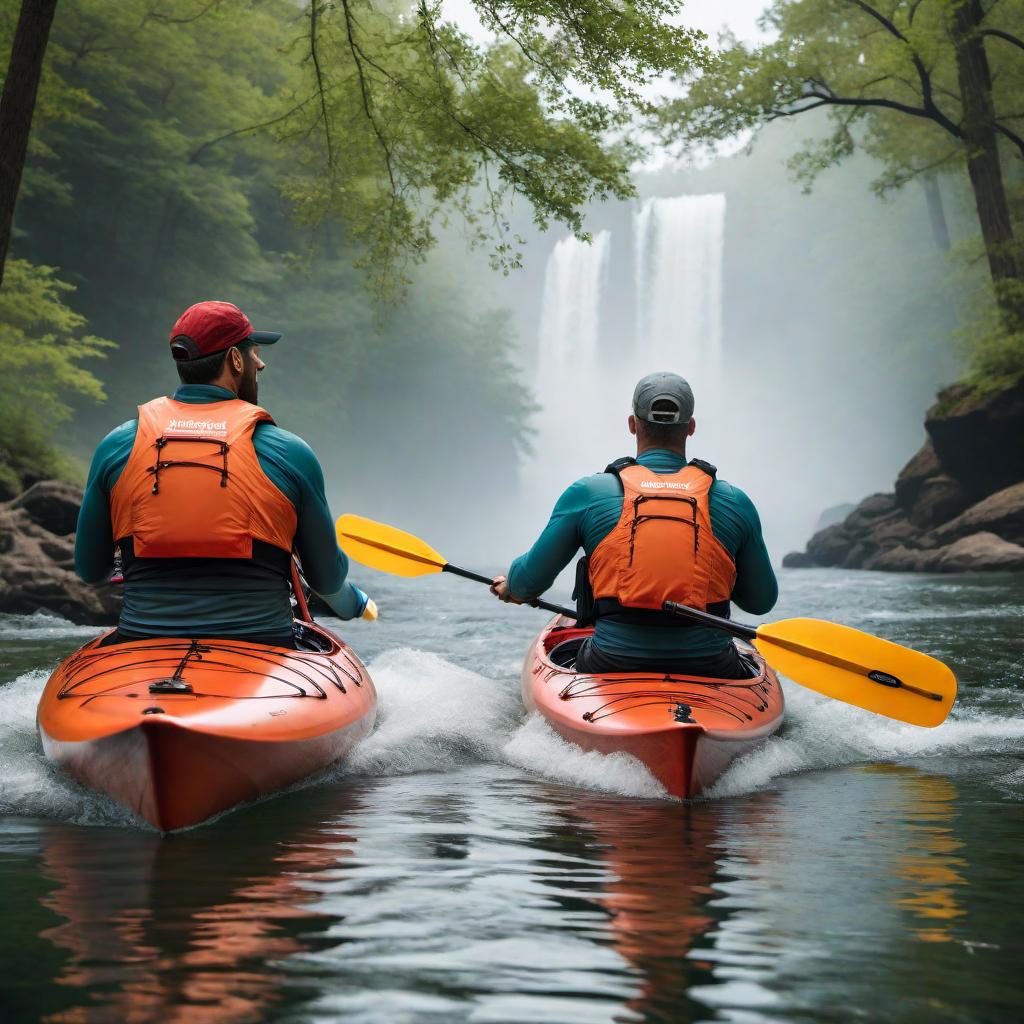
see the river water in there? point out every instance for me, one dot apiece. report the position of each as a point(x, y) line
point(469, 866)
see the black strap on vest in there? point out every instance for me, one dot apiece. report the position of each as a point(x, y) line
point(267, 556)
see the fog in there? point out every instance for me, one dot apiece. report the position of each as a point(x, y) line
point(815, 331)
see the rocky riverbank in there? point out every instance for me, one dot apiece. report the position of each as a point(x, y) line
point(37, 564)
point(957, 506)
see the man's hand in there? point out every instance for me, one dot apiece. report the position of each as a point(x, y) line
point(499, 588)
point(370, 612)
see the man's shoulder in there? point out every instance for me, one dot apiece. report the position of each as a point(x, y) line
point(271, 436)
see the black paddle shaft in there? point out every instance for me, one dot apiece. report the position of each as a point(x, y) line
point(546, 605)
point(714, 621)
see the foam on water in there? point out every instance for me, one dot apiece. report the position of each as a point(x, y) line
point(41, 626)
point(536, 747)
point(29, 784)
point(823, 733)
point(433, 715)
point(437, 716)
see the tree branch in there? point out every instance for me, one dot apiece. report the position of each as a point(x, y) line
point(314, 13)
point(928, 100)
point(364, 90)
point(1011, 135)
point(998, 33)
point(197, 153)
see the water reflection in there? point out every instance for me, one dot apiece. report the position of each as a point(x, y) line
point(928, 862)
point(185, 928)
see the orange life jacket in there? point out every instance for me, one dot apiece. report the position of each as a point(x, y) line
point(663, 547)
point(193, 486)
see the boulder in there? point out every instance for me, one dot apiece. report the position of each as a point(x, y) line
point(938, 499)
point(977, 436)
point(832, 516)
point(871, 509)
point(52, 504)
point(924, 465)
point(1001, 513)
point(897, 559)
point(979, 552)
point(798, 560)
point(830, 546)
point(893, 531)
point(37, 558)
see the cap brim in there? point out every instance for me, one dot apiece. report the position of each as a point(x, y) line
point(264, 337)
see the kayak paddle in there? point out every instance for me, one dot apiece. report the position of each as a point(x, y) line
point(394, 551)
point(837, 661)
point(841, 662)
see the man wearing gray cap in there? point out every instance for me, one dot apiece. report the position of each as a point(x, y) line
point(654, 528)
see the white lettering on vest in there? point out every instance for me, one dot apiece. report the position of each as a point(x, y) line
point(660, 485)
point(198, 428)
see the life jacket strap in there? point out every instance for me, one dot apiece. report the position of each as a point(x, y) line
point(609, 608)
point(269, 556)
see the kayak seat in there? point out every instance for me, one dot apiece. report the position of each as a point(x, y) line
point(564, 654)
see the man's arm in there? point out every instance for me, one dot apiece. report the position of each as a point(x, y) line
point(756, 589)
point(530, 575)
point(324, 564)
point(94, 535)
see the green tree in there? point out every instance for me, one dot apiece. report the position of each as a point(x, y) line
point(923, 85)
point(17, 106)
point(42, 346)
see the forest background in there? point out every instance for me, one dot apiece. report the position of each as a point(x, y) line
point(361, 176)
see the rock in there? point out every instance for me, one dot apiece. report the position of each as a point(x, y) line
point(798, 560)
point(1001, 513)
point(830, 546)
point(832, 516)
point(871, 508)
point(897, 559)
point(978, 436)
point(893, 531)
point(52, 504)
point(979, 552)
point(37, 559)
point(924, 465)
point(938, 499)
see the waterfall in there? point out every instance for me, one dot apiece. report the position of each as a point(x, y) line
point(569, 320)
point(678, 249)
point(584, 383)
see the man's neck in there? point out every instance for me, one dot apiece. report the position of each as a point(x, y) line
point(642, 450)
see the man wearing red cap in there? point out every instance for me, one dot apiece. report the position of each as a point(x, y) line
point(206, 497)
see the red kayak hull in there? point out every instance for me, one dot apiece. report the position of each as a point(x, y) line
point(685, 729)
point(242, 720)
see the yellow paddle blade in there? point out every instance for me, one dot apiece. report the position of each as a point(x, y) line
point(383, 547)
point(860, 669)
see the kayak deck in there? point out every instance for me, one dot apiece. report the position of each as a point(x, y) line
point(178, 730)
point(685, 729)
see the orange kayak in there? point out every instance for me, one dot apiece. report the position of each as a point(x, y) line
point(178, 730)
point(685, 729)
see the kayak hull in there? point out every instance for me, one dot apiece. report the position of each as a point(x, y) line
point(178, 731)
point(685, 729)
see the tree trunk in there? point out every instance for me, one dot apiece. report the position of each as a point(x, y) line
point(936, 211)
point(983, 163)
point(17, 104)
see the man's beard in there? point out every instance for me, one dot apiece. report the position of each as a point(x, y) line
point(249, 386)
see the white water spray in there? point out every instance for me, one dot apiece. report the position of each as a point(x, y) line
point(679, 248)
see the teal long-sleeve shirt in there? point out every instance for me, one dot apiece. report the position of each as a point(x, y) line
point(231, 598)
point(587, 512)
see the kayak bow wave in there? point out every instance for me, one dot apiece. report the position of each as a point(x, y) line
point(685, 729)
point(178, 730)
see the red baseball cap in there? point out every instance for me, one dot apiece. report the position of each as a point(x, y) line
point(211, 327)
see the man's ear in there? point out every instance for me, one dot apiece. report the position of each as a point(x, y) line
point(632, 423)
point(691, 428)
point(237, 360)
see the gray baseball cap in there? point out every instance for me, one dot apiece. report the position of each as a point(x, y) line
point(669, 387)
